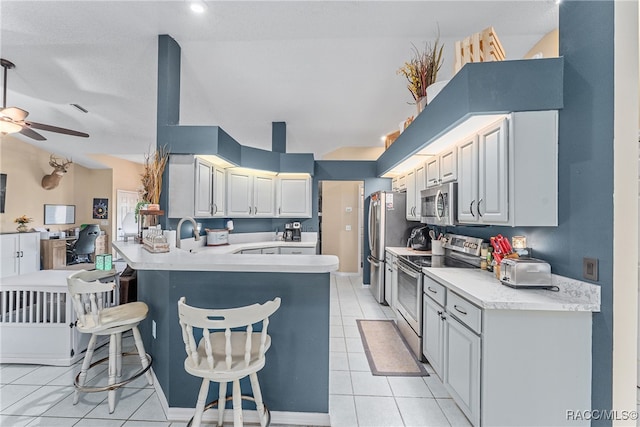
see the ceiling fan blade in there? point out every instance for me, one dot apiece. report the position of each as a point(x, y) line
point(55, 129)
point(14, 113)
point(32, 134)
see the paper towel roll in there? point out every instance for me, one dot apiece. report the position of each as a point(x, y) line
point(171, 237)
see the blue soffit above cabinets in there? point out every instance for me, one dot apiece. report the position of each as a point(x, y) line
point(212, 140)
point(478, 89)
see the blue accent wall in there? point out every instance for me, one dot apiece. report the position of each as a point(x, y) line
point(279, 137)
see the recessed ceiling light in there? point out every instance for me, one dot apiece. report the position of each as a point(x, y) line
point(198, 6)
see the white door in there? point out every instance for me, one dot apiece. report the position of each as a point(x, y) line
point(219, 208)
point(433, 171)
point(9, 255)
point(29, 253)
point(432, 333)
point(263, 196)
point(410, 182)
point(420, 185)
point(203, 189)
point(294, 197)
point(449, 165)
point(239, 194)
point(467, 180)
point(126, 203)
point(493, 177)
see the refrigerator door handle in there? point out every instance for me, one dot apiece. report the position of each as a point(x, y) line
point(373, 261)
point(371, 225)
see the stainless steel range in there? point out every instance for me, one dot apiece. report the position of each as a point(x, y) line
point(460, 252)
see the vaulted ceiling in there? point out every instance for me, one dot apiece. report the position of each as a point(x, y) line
point(326, 68)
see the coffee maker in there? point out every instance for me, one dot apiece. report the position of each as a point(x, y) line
point(292, 232)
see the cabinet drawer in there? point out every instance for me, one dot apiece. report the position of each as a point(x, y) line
point(434, 290)
point(466, 312)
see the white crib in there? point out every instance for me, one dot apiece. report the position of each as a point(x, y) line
point(37, 320)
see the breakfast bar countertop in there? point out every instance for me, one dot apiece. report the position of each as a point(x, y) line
point(226, 258)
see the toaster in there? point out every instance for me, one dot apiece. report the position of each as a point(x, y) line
point(525, 273)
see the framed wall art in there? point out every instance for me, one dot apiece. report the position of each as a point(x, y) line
point(100, 208)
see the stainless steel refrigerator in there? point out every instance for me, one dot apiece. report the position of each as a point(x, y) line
point(387, 226)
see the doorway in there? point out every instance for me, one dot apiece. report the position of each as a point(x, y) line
point(340, 215)
point(126, 203)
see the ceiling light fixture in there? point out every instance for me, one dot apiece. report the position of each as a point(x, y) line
point(198, 6)
point(7, 127)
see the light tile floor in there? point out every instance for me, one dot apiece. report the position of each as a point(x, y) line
point(34, 395)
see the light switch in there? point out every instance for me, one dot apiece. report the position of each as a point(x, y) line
point(348, 209)
point(348, 228)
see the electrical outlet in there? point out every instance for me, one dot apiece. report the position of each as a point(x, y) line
point(348, 209)
point(348, 228)
point(590, 268)
point(153, 328)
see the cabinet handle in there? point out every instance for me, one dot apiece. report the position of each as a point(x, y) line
point(443, 317)
point(21, 254)
point(479, 214)
point(17, 254)
point(249, 210)
point(430, 289)
point(459, 311)
point(215, 208)
point(279, 211)
point(471, 208)
point(439, 313)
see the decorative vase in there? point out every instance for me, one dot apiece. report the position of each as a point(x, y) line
point(421, 103)
point(22, 228)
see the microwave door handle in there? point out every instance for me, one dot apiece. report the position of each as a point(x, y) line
point(438, 196)
point(407, 271)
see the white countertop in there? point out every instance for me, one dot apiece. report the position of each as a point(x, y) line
point(195, 257)
point(483, 289)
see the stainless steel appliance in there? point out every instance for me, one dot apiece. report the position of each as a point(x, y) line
point(460, 252)
point(525, 273)
point(292, 232)
point(440, 204)
point(387, 226)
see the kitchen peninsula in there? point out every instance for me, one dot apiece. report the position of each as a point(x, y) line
point(216, 277)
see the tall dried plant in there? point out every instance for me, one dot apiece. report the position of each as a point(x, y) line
point(151, 178)
point(422, 70)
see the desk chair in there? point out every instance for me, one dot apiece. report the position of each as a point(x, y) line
point(98, 314)
point(81, 250)
point(225, 355)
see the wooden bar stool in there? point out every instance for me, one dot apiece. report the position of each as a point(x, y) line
point(98, 314)
point(226, 355)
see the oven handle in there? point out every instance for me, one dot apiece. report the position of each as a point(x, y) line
point(373, 261)
point(411, 273)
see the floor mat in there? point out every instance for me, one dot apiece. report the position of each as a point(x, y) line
point(386, 350)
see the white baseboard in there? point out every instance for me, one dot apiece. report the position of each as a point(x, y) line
point(249, 416)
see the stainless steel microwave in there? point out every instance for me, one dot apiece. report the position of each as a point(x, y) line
point(440, 204)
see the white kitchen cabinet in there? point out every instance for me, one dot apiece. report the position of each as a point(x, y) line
point(415, 183)
point(388, 273)
point(250, 194)
point(251, 251)
point(402, 182)
point(289, 250)
point(294, 196)
point(19, 254)
point(442, 168)
point(270, 251)
point(395, 184)
point(433, 324)
point(196, 188)
point(508, 172)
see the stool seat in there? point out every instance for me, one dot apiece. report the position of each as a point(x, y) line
point(228, 351)
point(98, 313)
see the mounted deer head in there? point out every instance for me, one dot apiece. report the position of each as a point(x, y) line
point(52, 180)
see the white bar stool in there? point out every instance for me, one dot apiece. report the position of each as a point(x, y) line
point(226, 355)
point(99, 315)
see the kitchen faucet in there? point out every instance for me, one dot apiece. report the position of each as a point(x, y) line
point(195, 229)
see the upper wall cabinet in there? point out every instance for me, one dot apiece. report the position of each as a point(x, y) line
point(293, 196)
point(250, 194)
point(442, 168)
point(508, 172)
point(196, 188)
point(415, 183)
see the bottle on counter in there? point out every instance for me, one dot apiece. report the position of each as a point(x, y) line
point(489, 260)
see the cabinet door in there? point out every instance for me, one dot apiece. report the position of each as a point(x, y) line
point(410, 181)
point(449, 165)
point(29, 252)
point(433, 334)
point(203, 189)
point(388, 272)
point(294, 197)
point(263, 196)
point(395, 184)
point(219, 208)
point(9, 255)
point(239, 194)
point(394, 284)
point(492, 172)
point(297, 251)
point(270, 251)
point(433, 171)
point(421, 184)
point(462, 368)
point(468, 180)
point(402, 182)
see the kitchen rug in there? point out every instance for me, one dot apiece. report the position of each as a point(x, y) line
point(386, 350)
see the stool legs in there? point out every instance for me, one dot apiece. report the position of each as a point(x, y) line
point(237, 404)
point(202, 398)
point(143, 355)
point(257, 395)
point(222, 402)
point(85, 366)
point(113, 370)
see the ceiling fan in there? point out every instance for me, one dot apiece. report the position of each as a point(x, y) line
point(12, 119)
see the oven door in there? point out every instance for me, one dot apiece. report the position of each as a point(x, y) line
point(409, 300)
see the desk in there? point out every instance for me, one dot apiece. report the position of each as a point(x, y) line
point(54, 251)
